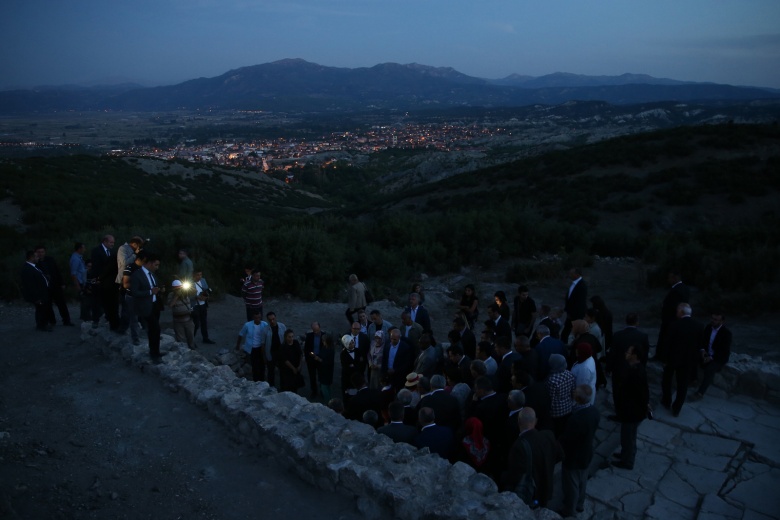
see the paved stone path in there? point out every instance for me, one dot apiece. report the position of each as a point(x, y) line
point(720, 459)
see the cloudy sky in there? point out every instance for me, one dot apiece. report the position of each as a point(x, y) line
point(157, 42)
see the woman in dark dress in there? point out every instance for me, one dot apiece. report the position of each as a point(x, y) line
point(325, 368)
point(503, 305)
point(290, 356)
point(469, 304)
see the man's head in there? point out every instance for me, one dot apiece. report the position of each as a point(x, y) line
point(426, 416)
point(717, 319)
point(315, 327)
point(355, 328)
point(632, 319)
point(483, 386)
point(79, 247)
point(438, 382)
point(477, 368)
point(30, 256)
point(484, 350)
point(406, 318)
point(522, 343)
point(455, 353)
point(271, 317)
point(376, 317)
point(574, 273)
point(493, 311)
point(256, 274)
point(503, 345)
point(424, 385)
point(544, 310)
point(197, 276)
point(289, 336)
point(542, 331)
point(353, 279)
point(136, 242)
point(516, 399)
point(522, 293)
point(395, 337)
point(152, 263)
point(183, 254)
point(362, 317)
point(674, 276)
point(257, 317)
point(108, 241)
point(396, 411)
point(425, 341)
point(414, 300)
point(40, 252)
point(684, 310)
point(526, 419)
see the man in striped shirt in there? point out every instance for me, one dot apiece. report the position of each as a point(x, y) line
point(252, 291)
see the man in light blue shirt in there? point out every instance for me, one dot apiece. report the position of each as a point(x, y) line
point(78, 273)
point(252, 335)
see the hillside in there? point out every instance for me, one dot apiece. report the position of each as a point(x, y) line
point(703, 198)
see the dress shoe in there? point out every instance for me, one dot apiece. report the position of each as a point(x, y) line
point(208, 342)
point(622, 465)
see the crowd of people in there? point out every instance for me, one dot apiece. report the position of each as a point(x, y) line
point(512, 395)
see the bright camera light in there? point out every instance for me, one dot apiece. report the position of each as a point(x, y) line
point(186, 285)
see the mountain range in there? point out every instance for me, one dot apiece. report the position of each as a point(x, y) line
point(301, 86)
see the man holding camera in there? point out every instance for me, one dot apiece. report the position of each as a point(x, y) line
point(200, 305)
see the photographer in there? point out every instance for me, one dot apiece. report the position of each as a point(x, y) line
point(200, 306)
point(183, 328)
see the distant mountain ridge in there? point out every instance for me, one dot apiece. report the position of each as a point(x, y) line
point(299, 85)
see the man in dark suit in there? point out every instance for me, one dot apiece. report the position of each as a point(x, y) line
point(365, 399)
point(396, 429)
point(491, 408)
point(623, 339)
point(439, 439)
point(678, 293)
point(460, 362)
point(500, 326)
point(507, 358)
point(715, 350)
point(146, 298)
point(397, 360)
point(105, 268)
point(577, 444)
point(362, 341)
point(419, 313)
point(444, 406)
point(684, 337)
point(311, 352)
point(544, 319)
point(576, 301)
point(49, 267)
point(536, 396)
point(467, 339)
point(35, 290)
point(545, 452)
point(546, 347)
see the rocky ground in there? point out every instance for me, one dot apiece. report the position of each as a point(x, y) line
point(84, 436)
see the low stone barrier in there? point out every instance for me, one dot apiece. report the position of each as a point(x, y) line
point(320, 446)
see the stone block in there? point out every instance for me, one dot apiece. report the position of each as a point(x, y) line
point(714, 505)
point(664, 509)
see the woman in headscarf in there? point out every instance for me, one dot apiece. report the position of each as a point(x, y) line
point(474, 448)
point(352, 362)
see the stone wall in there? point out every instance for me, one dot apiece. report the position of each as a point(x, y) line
point(320, 446)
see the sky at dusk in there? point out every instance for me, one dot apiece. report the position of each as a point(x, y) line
point(159, 42)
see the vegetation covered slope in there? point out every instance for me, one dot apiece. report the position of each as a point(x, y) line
point(702, 198)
